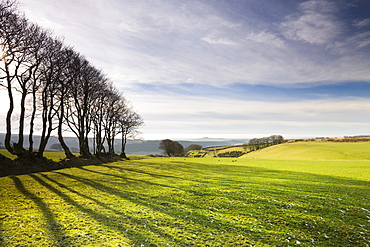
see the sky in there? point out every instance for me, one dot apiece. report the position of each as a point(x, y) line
point(227, 68)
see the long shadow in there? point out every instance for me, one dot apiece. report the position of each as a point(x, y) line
point(202, 221)
point(300, 183)
point(194, 192)
point(139, 199)
point(299, 179)
point(103, 219)
point(128, 179)
point(2, 241)
point(224, 182)
point(145, 172)
point(54, 227)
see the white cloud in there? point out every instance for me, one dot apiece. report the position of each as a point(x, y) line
point(315, 24)
point(188, 116)
point(175, 42)
point(191, 41)
point(214, 39)
point(361, 39)
point(266, 38)
point(362, 23)
point(323, 6)
point(212, 109)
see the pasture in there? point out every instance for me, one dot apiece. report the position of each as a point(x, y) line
point(190, 202)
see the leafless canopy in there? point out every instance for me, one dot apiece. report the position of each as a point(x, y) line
point(58, 86)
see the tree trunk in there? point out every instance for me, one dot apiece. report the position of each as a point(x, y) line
point(67, 151)
point(123, 145)
point(8, 134)
point(33, 114)
point(21, 120)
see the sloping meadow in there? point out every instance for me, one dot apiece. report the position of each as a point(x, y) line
point(190, 202)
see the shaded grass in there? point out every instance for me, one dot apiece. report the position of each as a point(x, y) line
point(189, 202)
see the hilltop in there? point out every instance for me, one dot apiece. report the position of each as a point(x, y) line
point(314, 151)
point(293, 150)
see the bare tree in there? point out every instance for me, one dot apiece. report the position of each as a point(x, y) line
point(28, 79)
point(113, 108)
point(99, 113)
point(51, 72)
point(64, 89)
point(13, 43)
point(64, 81)
point(83, 93)
point(129, 122)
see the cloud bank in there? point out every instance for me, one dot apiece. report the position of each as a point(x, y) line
point(183, 64)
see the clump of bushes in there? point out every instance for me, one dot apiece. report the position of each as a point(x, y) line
point(233, 154)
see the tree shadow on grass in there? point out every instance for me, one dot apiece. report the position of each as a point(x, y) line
point(211, 209)
point(182, 218)
point(126, 169)
point(192, 212)
point(109, 221)
point(55, 229)
point(313, 202)
point(127, 178)
point(2, 242)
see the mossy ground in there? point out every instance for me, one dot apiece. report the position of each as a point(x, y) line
point(190, 202)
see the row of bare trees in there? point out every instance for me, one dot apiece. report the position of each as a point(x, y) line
point(59, 90)
point(258, 143)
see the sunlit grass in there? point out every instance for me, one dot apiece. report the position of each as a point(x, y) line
point(184, 201)
point(7, 154)
point(315, 151)
point(56, 156)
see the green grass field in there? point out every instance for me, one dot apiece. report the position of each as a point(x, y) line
point(190, 202)
point(314, 151)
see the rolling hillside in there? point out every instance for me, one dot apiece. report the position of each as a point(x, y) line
point(314, 151)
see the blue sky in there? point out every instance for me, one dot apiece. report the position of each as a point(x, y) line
point(227, 68)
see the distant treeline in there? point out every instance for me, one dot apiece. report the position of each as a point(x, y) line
point(253, 144)
point(362, 138)
point(59, 90)
point(258, 143)
point(359, 136)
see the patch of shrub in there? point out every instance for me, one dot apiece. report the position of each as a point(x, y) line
point(233, 154)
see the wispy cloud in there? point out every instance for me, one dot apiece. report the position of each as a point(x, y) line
point(198, 42)
point(197, 46)
point(227, 116)
point(266, 39)
point(315, 23)
point(362, 23)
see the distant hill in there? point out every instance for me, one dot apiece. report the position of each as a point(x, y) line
point(136, 146)
point(314, 151)
point(152, 146)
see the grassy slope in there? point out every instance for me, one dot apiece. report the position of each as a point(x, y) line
point(183, 202)
point(314, 151)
